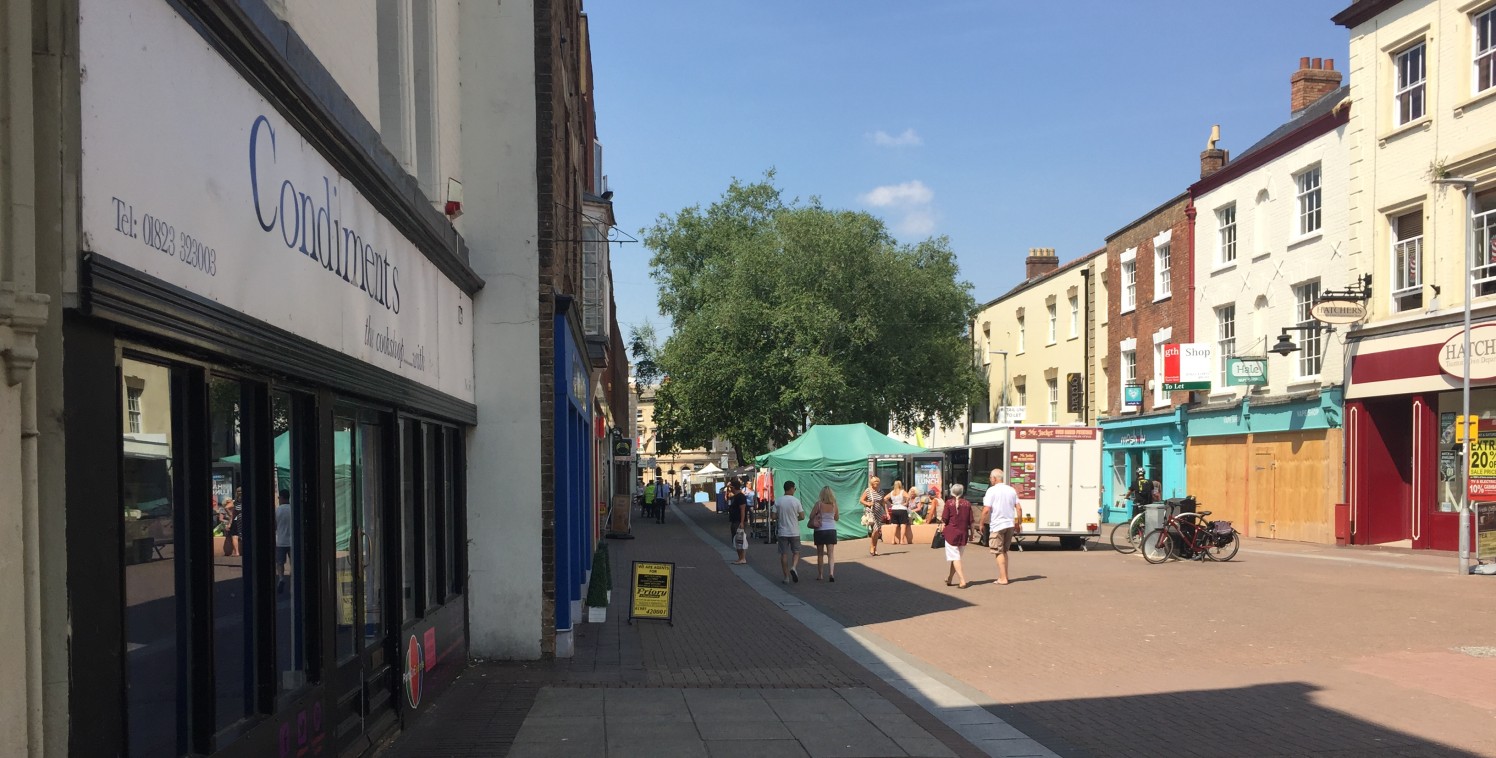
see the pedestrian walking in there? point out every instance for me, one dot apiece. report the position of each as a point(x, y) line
point(662, 499)
point(284, 532)
point(899, 500)
point(873, 511)
point(1003, 520)
point(956, 531)
point(737, 519)
point(823, 518)
point(791, 513)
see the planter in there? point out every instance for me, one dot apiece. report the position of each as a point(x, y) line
point(596, 615)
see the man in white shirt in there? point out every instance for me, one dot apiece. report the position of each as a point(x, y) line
point(1003, 518)
point(791, 513)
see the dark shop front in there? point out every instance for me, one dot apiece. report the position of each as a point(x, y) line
point(268, 382)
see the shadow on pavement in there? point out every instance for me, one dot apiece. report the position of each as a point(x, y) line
point(1258, 721)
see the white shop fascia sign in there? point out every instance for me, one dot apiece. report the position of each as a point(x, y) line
point(192, 177)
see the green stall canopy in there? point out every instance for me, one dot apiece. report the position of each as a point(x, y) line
point(835, 456)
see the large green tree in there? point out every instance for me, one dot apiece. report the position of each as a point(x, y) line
point(786, 314)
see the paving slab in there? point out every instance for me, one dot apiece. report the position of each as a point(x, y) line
point(823, 740)
point(790, 748)
point(739, 729)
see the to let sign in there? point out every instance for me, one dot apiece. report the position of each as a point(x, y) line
point(1187, 366)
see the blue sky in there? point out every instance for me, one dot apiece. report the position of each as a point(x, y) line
point(1003, 125)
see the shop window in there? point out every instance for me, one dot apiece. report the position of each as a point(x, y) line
point(344, 494)
point(153, 593)
point(435, 481)
point(1121, 479)
point(452, 502)
point(412, 472)
point(369, 461)
point(231, 602)
point(292, 424)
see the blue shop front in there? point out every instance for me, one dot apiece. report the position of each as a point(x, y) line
point(1273, 466)
point(575, 527)
point(1153, 442)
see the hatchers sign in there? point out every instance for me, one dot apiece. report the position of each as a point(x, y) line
point(1482, 353)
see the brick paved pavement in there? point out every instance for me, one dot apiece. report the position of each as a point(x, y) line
point(726, 638)
point(1289, 650)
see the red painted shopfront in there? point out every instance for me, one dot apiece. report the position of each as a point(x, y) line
point(1403, 471)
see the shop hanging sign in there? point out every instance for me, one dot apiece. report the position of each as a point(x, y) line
point(1132, 395)
point(1245, 371)
point(1187, 366)
point(1485, 530)
point(1338, 311)
point(652, 592)
point(205, 186)
point(1482, 353)
point(622, 448)
point(1075, 394)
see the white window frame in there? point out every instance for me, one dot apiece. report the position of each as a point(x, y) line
point(1128, 277)
point(1410, 94)
point(1163, 286)
point(1311, 344)
point(1020, 391)
point(1054, 322)
point(1406, 281)
point(1053, 385)
point(1226, 230)
point(1128, 370)
point(1483, 56)
point(133, 423)
point(1309, 200)
point(1225, 338)
point(1160, 339)
point(1022, 333)
point(1074, 316)
point(1483, 272)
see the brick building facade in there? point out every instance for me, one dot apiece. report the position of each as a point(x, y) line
point(1158, 309)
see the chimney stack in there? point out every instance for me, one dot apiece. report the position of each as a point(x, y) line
point(1213, 158)
point(1040, 261)
point(1313, 80)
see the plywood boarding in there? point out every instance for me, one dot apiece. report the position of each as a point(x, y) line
point(1306, 483)
point(1217, 471)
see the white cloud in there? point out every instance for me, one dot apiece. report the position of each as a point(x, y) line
point(910, 205)
point(907, 138)
point(904, 195)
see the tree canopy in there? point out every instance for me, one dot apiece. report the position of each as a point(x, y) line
point(786, 314)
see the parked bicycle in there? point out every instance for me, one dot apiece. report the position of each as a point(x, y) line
point(1127, 535)
point(1189, 535)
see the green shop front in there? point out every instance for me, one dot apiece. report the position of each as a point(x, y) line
point(1153, 442)
point(1272, 466)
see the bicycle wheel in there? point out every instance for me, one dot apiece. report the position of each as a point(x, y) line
point(1127, 535)
point(1157, 546)
point(1227, 551)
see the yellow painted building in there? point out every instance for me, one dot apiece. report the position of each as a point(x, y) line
point(1042, 343)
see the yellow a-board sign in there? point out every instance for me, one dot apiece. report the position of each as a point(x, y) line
point(1485, 530)
point(652, 592)
point(1482, 481)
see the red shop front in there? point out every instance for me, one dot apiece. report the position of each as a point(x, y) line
point(1404, 475)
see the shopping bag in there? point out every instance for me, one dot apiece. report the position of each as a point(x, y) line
point(740, 540)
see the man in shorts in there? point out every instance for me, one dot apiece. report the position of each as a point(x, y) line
point(1003, 518)
point(791, 513)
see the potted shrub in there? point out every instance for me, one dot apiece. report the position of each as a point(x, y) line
point(599, 590)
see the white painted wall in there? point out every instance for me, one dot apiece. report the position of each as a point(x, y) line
point(342, 34)
point(1271, 258)
point(498, 157)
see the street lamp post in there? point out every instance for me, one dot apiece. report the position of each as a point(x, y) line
point(1467, 185)
point(1004, 394)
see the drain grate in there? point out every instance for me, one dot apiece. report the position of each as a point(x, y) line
point(1478, 652)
